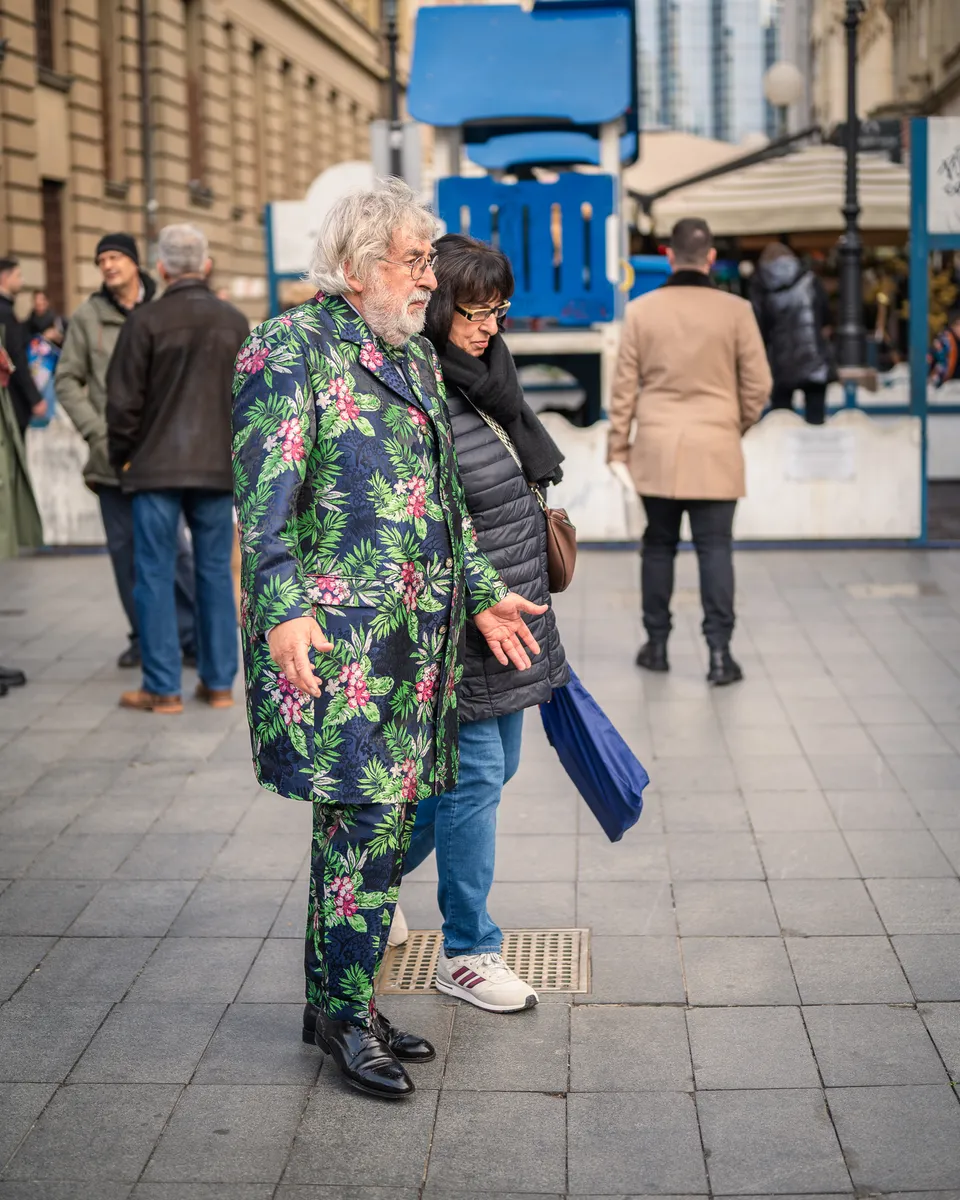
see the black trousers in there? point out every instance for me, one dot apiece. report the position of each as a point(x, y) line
point(711, 522)
point(814, 399)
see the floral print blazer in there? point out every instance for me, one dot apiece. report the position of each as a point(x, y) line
point(351, 509)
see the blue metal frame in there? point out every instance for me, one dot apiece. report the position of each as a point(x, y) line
point(919, 298)
point(274, 278)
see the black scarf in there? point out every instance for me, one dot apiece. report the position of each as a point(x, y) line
point(490, 383)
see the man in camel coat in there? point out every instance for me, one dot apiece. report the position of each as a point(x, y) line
point(692, 375)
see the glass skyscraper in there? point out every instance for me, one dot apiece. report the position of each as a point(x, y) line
point(702, 65)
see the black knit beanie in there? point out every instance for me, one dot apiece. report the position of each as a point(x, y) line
point(121, 242)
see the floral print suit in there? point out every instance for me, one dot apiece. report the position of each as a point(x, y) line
point(351, 509)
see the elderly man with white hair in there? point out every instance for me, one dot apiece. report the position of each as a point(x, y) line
point(358, 551)
point(168, 427)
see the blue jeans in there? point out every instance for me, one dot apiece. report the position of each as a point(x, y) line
point(156, 516)
point(462, 826)
point(116, 509)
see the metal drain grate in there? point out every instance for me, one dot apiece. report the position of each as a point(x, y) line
point(550, 960)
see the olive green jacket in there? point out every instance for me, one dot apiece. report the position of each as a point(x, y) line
point(20, 524)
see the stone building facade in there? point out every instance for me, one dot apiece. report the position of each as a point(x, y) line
point(875, 51)
point(248, 101)
point(926, 60)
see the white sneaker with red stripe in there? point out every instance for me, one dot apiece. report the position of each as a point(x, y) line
point(486, 981)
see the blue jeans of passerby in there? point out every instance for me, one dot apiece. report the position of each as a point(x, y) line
point(116, 511)
point(462, 826)
point(210, 518)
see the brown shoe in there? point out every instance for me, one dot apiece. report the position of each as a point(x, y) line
point(215, 697)
point(150, 702)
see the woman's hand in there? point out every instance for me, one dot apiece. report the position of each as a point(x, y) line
point(290, 644)
point(505, 629)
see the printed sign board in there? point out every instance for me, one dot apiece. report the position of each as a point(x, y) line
point(943, 175)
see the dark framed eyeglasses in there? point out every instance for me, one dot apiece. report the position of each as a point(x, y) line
point(417, 267)
point(481, 314)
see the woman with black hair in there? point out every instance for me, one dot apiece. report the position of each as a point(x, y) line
point(507, 459)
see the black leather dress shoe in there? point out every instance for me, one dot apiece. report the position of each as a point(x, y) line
point(723, 668)
point(365, 1060)
point(653, 657)
point(129, 658)
point(10, 677)
point(408, 1047)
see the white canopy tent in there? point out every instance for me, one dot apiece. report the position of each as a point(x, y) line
point(796, 193)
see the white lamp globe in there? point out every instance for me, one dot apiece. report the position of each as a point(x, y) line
point(783, 84)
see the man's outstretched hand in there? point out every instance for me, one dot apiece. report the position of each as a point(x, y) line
point(290, 645)
point(506, 631)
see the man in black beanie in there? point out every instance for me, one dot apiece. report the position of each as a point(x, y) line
point(81, 383)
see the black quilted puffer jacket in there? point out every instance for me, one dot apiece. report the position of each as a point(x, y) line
point(512, 532)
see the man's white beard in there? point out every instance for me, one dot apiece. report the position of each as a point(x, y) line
point(390, 318)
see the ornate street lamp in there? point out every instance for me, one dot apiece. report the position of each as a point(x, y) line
point(396, 130)
point(851, 334)
point(782, 87)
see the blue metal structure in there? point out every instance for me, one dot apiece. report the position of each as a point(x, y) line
point(554, 148)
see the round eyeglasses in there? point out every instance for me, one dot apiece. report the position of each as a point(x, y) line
point(482, 314)
point(418, 267)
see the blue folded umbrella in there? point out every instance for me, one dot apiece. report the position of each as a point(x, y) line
point(606, 772)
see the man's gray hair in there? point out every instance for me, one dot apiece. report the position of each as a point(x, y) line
point(359, 229)
point(182, 249)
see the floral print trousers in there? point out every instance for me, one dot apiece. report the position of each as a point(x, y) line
point(356, 867)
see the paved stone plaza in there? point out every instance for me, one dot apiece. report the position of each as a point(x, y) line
point(775, 1004)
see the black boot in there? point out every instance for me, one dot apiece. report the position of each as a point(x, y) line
point(408, 1047)
point(11, 677)
point(364, 1058)
point(653, 656)
point(130, 658)
point(723, 668)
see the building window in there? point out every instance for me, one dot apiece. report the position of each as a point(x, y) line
point(111, 92)
point(45, 18)
point(52, 199)
point(193, 33)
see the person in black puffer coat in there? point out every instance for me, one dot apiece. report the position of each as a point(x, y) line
point(791, 309)
point(503, 450)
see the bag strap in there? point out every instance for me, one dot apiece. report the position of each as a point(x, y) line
point(504, 437)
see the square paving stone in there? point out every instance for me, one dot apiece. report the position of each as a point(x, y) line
point(530, 857)
point(713, 856)
point(847, 970)
point(655, 1141)
point(98, 968)
point(74, 1190)
point(909, 739)
point(938, 808)
point(172, 856)
point(725, 971)
point(208, 814)
point(626, 908)
point(943, 1024)
point(202, 1191)
point(291, 920)
point(724, 908)
point(83, 856)
point(528, 1130)
point(916, 905)
point(835, 739)
point(523, 905)
point(527, 1054)
point(524, 813)
point(750, 1048)
point(634, 970)
point(949, 842)
point(598, 1036)
point(783, 812)
point(95, 1131)
point(259, 1043)
point(899, 1137)
point(239, 908)
point(387, 1146)
point(932, 965)
point(768, 1142)
point(874, 810)
point(704, 812)
point(775, 773)
point(128, 908)
point(148, 1043)
point(18, 957)
point(899, 854)
point(228, 1135)
point(40, 1042)
point(260, 856)
point(795, 855)
point(195, 971)
point(42, 907)
point(871, 1044)
point(641, 859)
point(20, 1105)
point(848, 772)
point(815, 907)
point(114, 814)
point(919, 771)
point(276, 976)
point(697, 774)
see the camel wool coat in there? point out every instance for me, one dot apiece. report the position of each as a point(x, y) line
point(692, 377)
